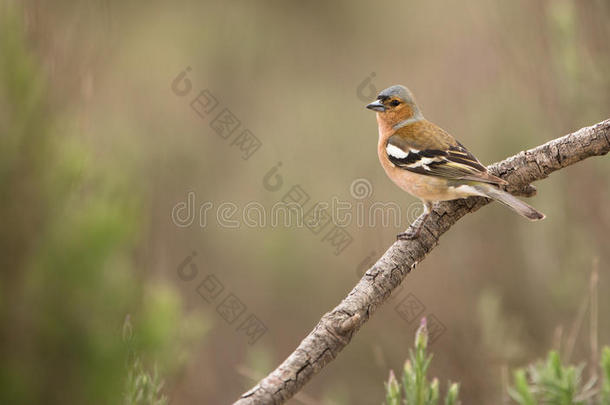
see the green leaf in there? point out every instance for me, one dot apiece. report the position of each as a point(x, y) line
point(392, 389)
point(521, 392)
point(417, 389)
point(605, 366)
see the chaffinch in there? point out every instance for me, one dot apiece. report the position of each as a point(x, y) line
point(427, 162)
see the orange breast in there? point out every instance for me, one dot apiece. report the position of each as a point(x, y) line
point(427, 188)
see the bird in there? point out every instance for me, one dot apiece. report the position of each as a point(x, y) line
point(427, 162)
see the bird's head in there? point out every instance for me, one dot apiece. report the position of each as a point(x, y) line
point(395, 104)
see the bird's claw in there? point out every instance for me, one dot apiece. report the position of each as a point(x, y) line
point(409, 234)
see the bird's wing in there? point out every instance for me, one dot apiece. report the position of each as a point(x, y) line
point(443, 157)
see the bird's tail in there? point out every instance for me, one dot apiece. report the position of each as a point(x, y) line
point(511, 201)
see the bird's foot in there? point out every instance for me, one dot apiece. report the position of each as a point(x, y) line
point(410, 233)
point(415, 229)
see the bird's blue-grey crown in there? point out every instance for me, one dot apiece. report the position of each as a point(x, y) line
point(396, 91)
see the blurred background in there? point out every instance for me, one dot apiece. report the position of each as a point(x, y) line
point(133, 136)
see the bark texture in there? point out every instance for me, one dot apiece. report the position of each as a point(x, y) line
point(337, 327)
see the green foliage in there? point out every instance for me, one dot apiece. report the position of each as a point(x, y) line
point(416, 388)
point(141, 387)
point(393, 394)
point(551, 382)
point(67, 250)
point(546, 382)
point(605, 363)
point(521, 392)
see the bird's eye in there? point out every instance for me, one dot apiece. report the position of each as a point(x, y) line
point(394, 103)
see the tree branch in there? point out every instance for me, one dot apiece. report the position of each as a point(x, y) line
point(337, 327)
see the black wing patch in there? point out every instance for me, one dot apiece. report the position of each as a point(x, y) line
point(459, 154)
point(456, 163)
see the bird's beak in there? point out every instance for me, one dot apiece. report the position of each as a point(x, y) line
point(376, 106)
